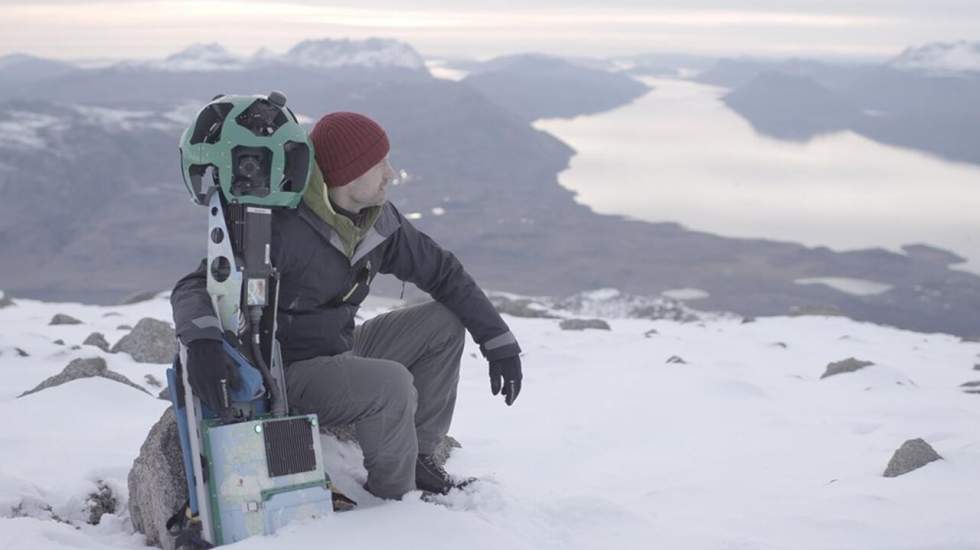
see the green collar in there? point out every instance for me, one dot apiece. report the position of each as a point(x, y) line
point(316, 198)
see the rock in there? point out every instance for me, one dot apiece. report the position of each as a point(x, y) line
point(521, 307)
point(651, 332)
point(747, 320)
point(22, 353)
point(59, 342)
point(101, 502)
point(583, 324)
point(124, 327)
point(6, 300)
point(976, 367)
point(157, 487)
point(971, 384)
point(847, 365)
point(912, 455)
point(138, 297)
point(164, 394)
point(31, 507)
point(62, 319)
point(822, 311)
point(151, 341)
point(112, 314)
point(83, 368)
point(96, 339)
point(676, 360)
point(152, 381)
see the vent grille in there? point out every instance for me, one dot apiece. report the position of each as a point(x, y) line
point(289, 447)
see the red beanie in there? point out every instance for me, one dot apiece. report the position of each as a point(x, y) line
point(346, 145)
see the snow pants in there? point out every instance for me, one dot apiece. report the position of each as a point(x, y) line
point(397, 386)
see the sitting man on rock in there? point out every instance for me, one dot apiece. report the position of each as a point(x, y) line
point(395, 376)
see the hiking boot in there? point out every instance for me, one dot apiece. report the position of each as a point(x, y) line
point(430, 477)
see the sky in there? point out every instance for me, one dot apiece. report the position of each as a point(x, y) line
point(114, 29)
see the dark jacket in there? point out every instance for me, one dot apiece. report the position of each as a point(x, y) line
point(322, 285)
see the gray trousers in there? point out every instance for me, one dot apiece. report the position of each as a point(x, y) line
point(397, 386)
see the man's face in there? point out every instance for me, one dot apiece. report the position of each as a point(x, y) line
point(369, 188)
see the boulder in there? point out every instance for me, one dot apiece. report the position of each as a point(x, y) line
point(98, 340)
point(847, 365)
point(583, 324)
point(150, 341)
point(83, 368)
point(912, 455)
point(5, 300)
point(156, 482)
point(676, 360)
point(99, 503)
point(62, 319)
point(22, 353)
point(157, 487)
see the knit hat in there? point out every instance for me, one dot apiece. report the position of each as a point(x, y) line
point(346, 145)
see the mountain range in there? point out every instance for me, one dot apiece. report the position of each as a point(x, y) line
point(92, 207)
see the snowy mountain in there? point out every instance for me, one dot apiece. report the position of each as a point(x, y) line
point(940, 58)
point(318, 54)
point(712, 434)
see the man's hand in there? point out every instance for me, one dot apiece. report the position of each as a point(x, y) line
point(505, 378)
point(207, 365)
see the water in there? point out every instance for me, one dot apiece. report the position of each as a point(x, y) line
point(679, 154)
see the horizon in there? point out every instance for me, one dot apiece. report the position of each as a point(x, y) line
point(153, 29)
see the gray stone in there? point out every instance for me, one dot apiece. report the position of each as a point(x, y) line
point(152, 381)
point(138, 297)
point(520, 307)
point(83, 368)
point(780, 345)
point(151, 341)
point(847, 365)
point(971, 384)
point(98, 340)
point(62, 319)
point(157, 487)
point(164, 394)
point(912, 455)
point(124, 327)
point(22, 353)
point(112, 314)
point(747, 320)
point(99, 503)
point(583, 324)
point(6, 300)
point(676, 360)
point(976, 367)
point(59, 342)
point(651, 332)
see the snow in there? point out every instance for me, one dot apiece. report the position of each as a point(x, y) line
point(438, 211)
point(608, 446)
point(440, 68)
point(413, 216)
point(940, 58)
point(848, 285)
point(25, 129)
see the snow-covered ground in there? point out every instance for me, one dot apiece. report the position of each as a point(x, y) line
point(741, 446)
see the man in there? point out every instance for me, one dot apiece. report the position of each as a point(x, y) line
point(395, 376)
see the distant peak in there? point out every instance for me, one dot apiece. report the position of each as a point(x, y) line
point(373, 52)
point(940, 57)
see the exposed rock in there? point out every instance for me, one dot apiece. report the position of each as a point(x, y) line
point(780, 345)
point(112, 314)
point(98, 340)
point(151, 341)
point(22, 353)
point(83, 368)
point(59, 342)
point(76, 347)
point(971, 384)
point(747, 320)
point(164, 393)
point(912, 455)
point(138, 297)
point(651, 332)
point(152, 381)
point(157, 487)
point(976, 367)
point(847, 365)
point(582, 324)
point(30, 507)
point(612, 303)
point(520, 307)
point(676, 360)
point(5, 300)
point(124, 327)
point(62, 319)
point(101, 502)
point(802, 311)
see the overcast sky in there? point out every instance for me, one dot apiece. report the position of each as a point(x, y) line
point(484, 28)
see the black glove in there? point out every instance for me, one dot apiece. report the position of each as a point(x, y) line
point(207, 365)
point(505, 378)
